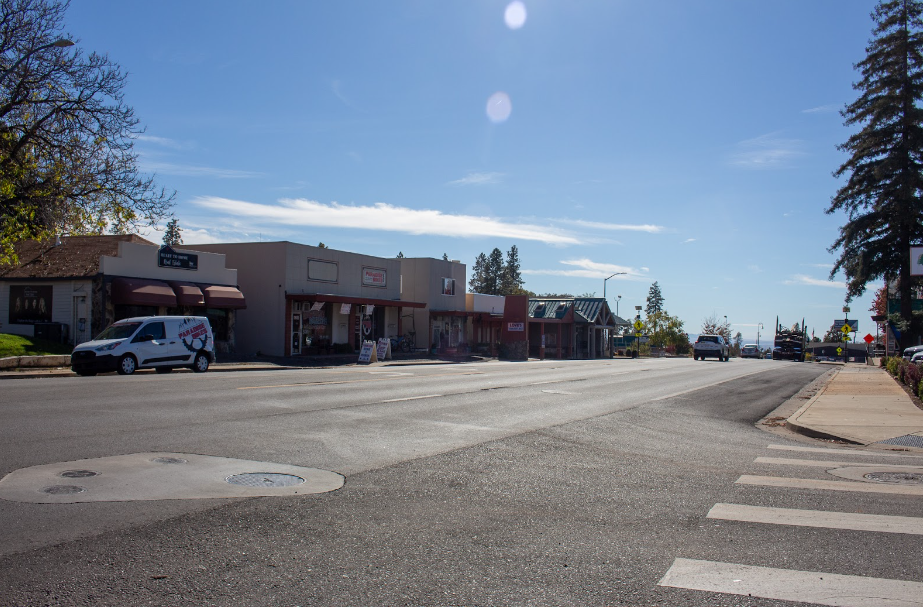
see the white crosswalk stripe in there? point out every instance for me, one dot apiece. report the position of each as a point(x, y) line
point(819, 588)
point(789, 585)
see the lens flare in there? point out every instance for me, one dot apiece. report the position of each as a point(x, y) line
point(515, 15)
point(499, 107)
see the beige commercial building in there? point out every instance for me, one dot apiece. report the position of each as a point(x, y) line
point(73, 288)
point(443, 324)
point(305, 300)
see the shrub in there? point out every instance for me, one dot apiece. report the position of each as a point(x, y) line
point(893, 364)
point(901, 370)
point(912, 376)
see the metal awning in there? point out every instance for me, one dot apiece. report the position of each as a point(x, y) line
point(229, 298)
point(142, 292)
point(187, 294)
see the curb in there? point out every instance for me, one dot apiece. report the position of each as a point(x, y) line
point(792, 422)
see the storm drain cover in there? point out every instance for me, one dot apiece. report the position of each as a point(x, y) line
point(78, 473)
point(910, 440)
point(63, 490)
point(267, 479)
point(899, 478)
point(169, 460)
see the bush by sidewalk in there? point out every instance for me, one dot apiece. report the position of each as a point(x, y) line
point(18, 345)
point(906, 372)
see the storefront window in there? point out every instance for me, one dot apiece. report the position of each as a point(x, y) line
point(219, 322)
point(316, 328)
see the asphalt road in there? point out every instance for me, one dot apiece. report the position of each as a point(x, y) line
point(540, 483)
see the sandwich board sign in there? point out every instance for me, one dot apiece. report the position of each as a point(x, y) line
point(368, 353)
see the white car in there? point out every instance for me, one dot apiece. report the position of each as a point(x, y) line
point(158, 342)
point(711, 345)
point(917, 357)
point(750, 351)
point(909, 352)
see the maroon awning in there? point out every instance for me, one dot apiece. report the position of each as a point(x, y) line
point(142, 292)
point(187, 294)
point(362, 301)
point(229, 298)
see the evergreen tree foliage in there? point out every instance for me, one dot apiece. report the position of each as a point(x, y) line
point(511, 279)
point(445, 257)
point(881, 197)
point(321, 245)
point(478, 281)
point(400, 255)
point(654, 300)
point(173, 234)
point(494, 272)
point(713, 326)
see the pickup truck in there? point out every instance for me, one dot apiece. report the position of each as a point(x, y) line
point(711, 345)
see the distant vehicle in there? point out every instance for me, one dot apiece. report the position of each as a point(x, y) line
point(711, 345)
point(909, 352)
point(768, 355)
point(917, 357)
point(750, 351)
point(159, 342)
point(789, 343)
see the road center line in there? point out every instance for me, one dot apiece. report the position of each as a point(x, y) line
point(790, 585)
point(823, 485)
point(399, 400)
point(351, 381)
point(820, 519)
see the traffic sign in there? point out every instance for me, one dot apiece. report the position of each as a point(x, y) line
point(839, 350)
point(846, 329)
point(638, 325)
point(839, 324)
point(868, 338)
point(637, 334)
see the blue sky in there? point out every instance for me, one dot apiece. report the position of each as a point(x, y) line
point(688, 143)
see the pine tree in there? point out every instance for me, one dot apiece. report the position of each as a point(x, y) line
point(511, 279)
point(173, 235)
point(881, 197)
point(478, 274)
point(400, 255)
point(493, 272)
point(445, 257)
point(654, 300)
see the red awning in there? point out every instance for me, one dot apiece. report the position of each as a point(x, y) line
point(142, 292)
point(229, 298)
point(187, 294)
point(364, 301)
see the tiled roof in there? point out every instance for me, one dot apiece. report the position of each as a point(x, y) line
point(75, 257)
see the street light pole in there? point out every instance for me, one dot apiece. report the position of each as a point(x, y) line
point(604, 284)
point(617, 300)
point(61, 43)
point(758, 327)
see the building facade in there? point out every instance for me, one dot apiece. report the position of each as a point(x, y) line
point(71, 289)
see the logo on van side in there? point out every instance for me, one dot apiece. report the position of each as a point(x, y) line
point(193, 330)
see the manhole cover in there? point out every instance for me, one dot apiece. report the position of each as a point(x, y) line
point(63, 489)
point(169, 460)
point(910, 440)
point(899, 478)
point(79, 473)
point(265, 479)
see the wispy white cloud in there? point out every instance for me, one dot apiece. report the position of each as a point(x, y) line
point(381, 216)
point(477, 179)
point(821, 109)
point(336, 87)
point(803, 279)
point(766, 152)
point(688, 240)
point(587, 268)
point(755, 269)
point(173, 144)
point(185, 170)
point(822, 266)
point(614, 227)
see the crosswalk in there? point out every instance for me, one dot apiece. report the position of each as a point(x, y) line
point(900, 476)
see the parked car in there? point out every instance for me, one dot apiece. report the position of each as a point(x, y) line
point(917, 357)
point(909, 352)
point(158, 342)
point(711, 345)
point(750, 351)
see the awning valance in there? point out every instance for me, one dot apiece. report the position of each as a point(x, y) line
point(187, 294)
point(142, 292)
point(362, 301)
point(229, 298)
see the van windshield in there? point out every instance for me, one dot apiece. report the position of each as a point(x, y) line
point(119, 331)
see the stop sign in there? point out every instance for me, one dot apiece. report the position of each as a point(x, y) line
point(868, 338)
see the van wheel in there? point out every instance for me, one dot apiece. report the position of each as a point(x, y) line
point(200, 364)
point(163, 370)
point(127, 365)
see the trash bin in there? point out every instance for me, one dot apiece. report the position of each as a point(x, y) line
point(50, 331)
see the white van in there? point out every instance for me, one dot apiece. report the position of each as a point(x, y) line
point(159, 342)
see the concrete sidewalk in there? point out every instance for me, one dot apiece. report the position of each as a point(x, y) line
point(862, 405)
